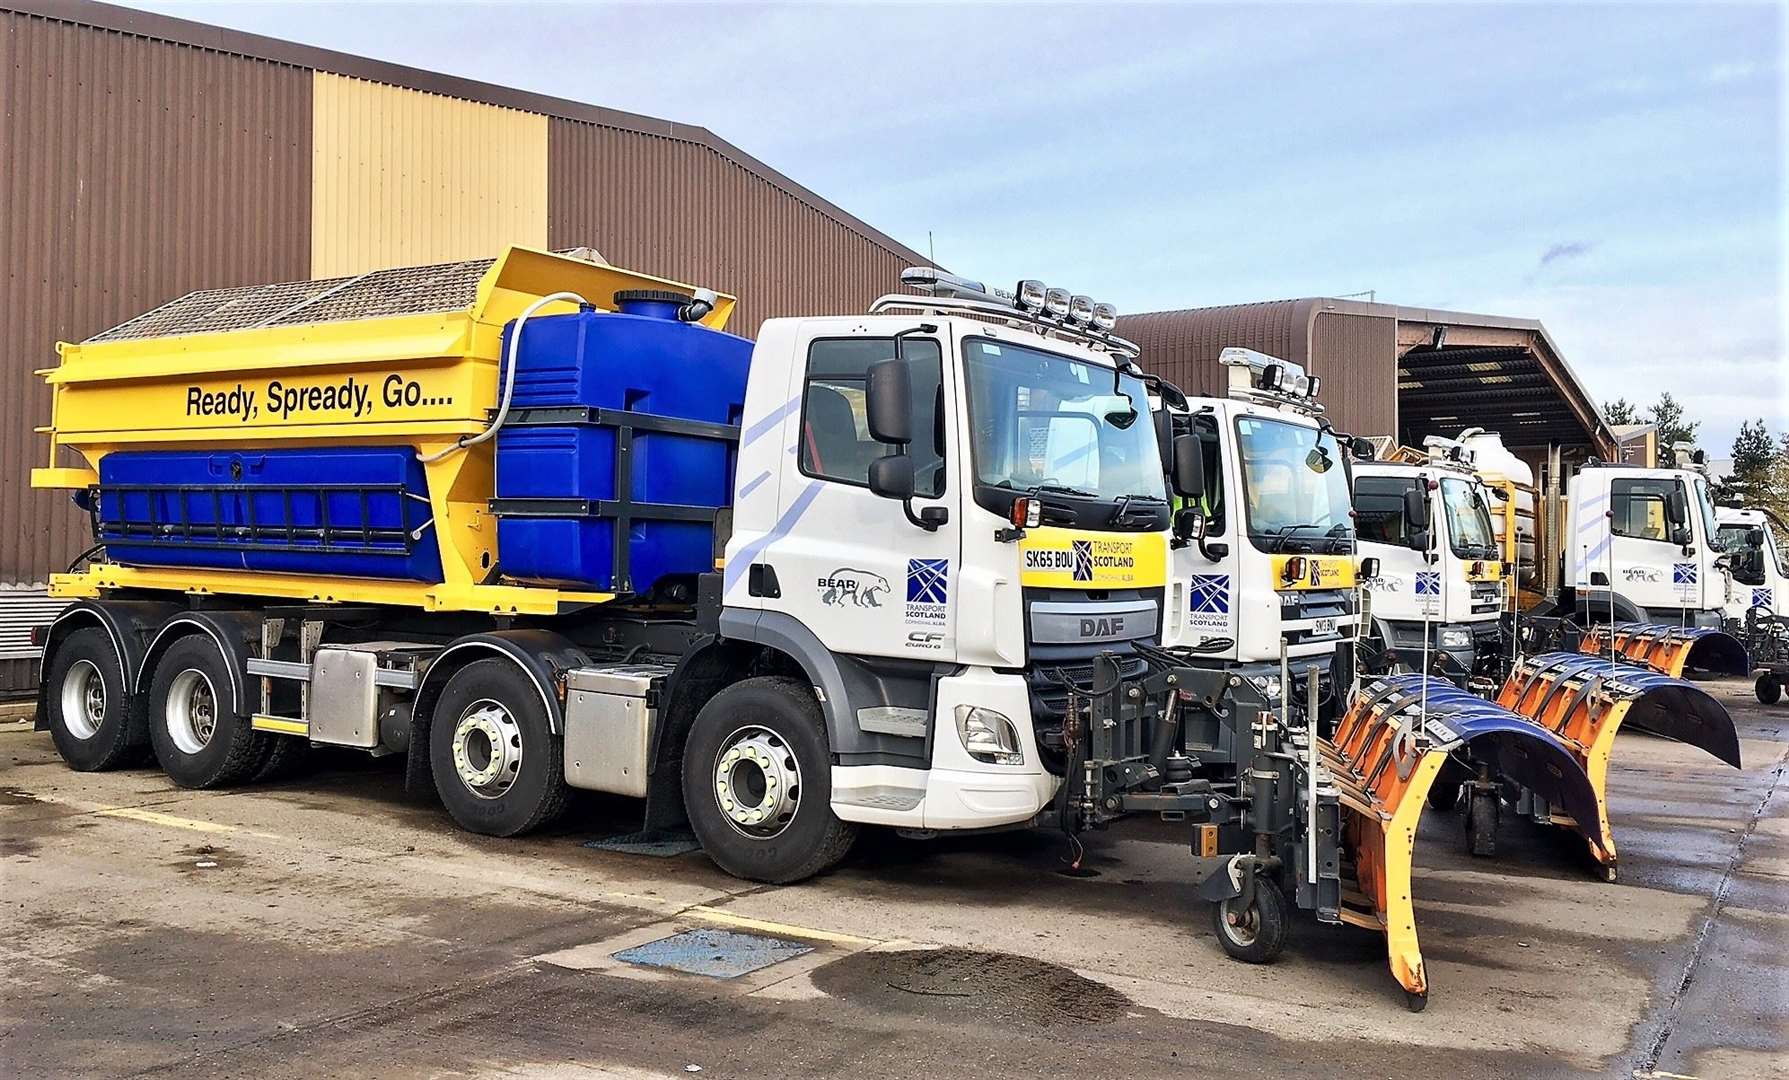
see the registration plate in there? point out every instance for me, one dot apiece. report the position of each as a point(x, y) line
point(1324, 626)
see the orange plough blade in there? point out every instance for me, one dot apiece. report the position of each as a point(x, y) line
point(1384, 757)
point(1669, 650)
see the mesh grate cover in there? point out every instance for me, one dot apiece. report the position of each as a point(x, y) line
point(406, 290)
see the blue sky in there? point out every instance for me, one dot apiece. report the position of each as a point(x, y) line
point(1615, 170)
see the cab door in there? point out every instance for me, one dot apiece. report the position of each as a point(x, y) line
point(848, 564)
point(1643, 562)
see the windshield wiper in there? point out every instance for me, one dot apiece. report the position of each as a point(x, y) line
point(1063, 489)
point(1284, 533)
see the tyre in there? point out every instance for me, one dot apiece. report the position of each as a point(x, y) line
point(1256, 932)
point(287, 757)
point(199, 737)
point(498, 767)
point(1768, 689)
point(1481, 823)
point(757, 783)
point(89, 709)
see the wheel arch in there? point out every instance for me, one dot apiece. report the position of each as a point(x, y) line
point(233, 632)
point(1595, 602)
point(542, 655)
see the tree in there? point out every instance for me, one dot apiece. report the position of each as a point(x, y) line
point(1621, 411)
point(1758, 477)
point(1667, 416)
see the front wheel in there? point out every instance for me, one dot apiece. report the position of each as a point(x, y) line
point(1768, 689)
point(1254, 932)
point(757, 783)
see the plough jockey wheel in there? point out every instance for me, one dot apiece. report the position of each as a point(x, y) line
point(1768, 689)
point(1252, 927)
point(1481, 820)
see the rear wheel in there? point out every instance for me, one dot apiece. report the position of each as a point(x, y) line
point(1253, 932)
point(89, 712)
point(498, 767)
point(757, 783)
point(200, 738)
point(1768, 689)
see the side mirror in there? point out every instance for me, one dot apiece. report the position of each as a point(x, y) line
point(1677, 510)
point(1369, 567)
point(1189, 524)
point(1416, 509)
point(1361, 448)
point(892, 477)
point(1681, 535)
point(1189, 467)
point(888, 404)
point(1164, 436)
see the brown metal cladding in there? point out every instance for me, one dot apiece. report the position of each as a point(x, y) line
point(136, 170)
point(1356, 356)
point(679, 208)
point(1183, 346)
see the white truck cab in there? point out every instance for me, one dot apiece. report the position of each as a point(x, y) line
point(1640, 545)
point(1440, 578)
point(1755, 559)
point(1270, 570)
point(947, 507)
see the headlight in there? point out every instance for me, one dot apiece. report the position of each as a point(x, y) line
point(1453, 637)
point(989, 736)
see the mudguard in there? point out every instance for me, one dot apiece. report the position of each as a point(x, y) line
point(1584, 700)
point(1386, 754)
point(1670, 650)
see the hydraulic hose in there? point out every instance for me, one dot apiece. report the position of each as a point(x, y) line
point(509, 376)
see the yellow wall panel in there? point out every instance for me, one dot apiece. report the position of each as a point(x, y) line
point(401, 178)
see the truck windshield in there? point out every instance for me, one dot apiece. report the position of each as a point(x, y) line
point(1468, 520)
point(1047, 423)
point(1294, 486)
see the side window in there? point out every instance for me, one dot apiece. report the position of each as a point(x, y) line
point(835, 434)
point(1379, 509)
point(1206, 428)
point(1639, 508)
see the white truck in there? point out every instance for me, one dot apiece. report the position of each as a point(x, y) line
point(1758, 605)
point(1438, 597)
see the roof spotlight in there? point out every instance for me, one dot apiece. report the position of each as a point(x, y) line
point(1080, 309)
point(1029, 296)
point(1105, 316)
point(1056, 302)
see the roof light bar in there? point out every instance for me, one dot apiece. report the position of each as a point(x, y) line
point(1254, 373)
point(1031, 300)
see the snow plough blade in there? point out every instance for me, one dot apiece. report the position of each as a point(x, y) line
point(1670, 650)
point(1585, 699)
point(1385, 756)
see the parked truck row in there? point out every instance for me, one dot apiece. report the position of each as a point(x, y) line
point(539, 524)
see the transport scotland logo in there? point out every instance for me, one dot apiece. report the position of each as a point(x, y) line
point(1763, 598)
point(1083, 569)
point(1211, 594)
point(1428, 583)
point(928, 581)
point(1683, 573)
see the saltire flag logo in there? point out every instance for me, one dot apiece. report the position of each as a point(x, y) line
point(1428, 583)
point(1083, 565)
point(1211, 594)
point(1683, 573)
point(928, 581)
point(1763, 598)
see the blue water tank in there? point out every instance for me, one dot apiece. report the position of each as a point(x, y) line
point(566, 480)
point(347, 511)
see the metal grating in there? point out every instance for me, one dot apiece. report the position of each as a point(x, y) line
point(406, 290)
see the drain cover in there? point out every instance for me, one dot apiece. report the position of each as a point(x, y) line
point(658, 845)
point(724, 954)
point(951, 982)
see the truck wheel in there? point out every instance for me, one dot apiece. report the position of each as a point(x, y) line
point(1254, 933)
point(287, 758)
point(499, 768)
point(1768, 689)
point(1481, 823)
point(199, 738)
point(757, 782)
point(89, 712)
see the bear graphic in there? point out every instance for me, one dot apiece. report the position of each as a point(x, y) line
point(859, 586)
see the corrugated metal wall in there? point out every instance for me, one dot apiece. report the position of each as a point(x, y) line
point(1183, 346)
point(678, 209)
point(135, 170)
point(405, 178)
point(1357, 358)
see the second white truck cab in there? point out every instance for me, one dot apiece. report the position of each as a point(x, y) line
point(1755, 560)
point(1273, 567)
point(1440, 578)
